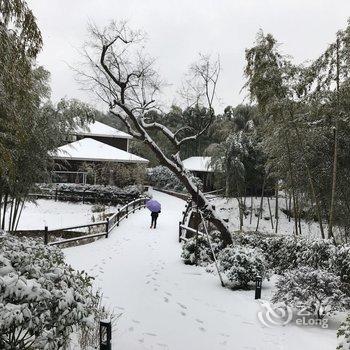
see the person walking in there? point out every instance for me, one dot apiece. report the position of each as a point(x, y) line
point(154, 207)
point(154, 216)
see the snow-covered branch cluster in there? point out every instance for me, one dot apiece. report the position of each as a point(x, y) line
point(42, 299)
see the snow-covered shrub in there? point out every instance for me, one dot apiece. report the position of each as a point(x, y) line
point(204, 251)
point(316, 291)
point(196, 251)
point(252, 239)
point(242, 265)
point(162, 177)
point(316, 253)
point(216, 241)
point(282, 253)
point(41, 297)
point(343, 335)
point(340, 263)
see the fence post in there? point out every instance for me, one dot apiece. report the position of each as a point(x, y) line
point(258, 283)
point(133, 206)
point(56, 194)
point(105, 335)
point(179, 231)
point(127, 210)
point(46, 235)
point(118, 216)
point(107, 227)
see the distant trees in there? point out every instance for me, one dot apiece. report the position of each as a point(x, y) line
point(304, 127)
point(30, 126)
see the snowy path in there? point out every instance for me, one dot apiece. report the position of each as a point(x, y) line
point(168, 305)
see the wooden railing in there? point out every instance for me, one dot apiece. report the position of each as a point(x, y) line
point(124, 211)
point(93, 230)
point(183, 228)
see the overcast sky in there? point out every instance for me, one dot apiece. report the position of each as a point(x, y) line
point(180, 29)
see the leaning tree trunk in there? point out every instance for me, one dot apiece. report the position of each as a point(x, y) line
point(129, 94)
point(176, 166)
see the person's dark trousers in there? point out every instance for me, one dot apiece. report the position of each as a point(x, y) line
point(154, 220)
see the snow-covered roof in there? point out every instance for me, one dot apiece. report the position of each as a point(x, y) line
point(198, 164)
point(99, 129)
point(88, 149)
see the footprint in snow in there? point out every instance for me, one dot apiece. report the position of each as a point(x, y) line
point(166, 299)
point(222, 311)
point(225, 335)
point(183, 313)
point(199, 321)
point(182, 306)
point(141, 340)
point(155, 289)
point(136, 321)
point(202, 329)
point(169, 294)
point(131, 329)
point(150, 334)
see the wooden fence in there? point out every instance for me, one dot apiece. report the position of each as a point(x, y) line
point(87, 233)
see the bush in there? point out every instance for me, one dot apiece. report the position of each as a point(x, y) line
point(285, 253)
point(252, 239)
point(340, 263)
point(41, 298)
point(316, 291)
point(204, 255)
point(161, 177)
point(343, 335)
point(282, 253)
point(316, 254)
point(242, 265)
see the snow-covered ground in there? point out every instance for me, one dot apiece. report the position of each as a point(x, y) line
point(165, 304)
point(44, 212)
point(228, 209)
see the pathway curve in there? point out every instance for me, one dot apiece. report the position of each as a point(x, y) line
point(165, 304)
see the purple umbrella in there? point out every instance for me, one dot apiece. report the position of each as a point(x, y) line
point(153, 205)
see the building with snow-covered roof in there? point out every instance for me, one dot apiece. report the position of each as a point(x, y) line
point(90, 145)
point(103, 133)
point(201, 167)
point(90, 150)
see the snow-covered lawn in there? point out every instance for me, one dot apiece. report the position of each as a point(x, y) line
point(165, 304)
point(44, 212)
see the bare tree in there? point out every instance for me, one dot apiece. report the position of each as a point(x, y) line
point(123, 76)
